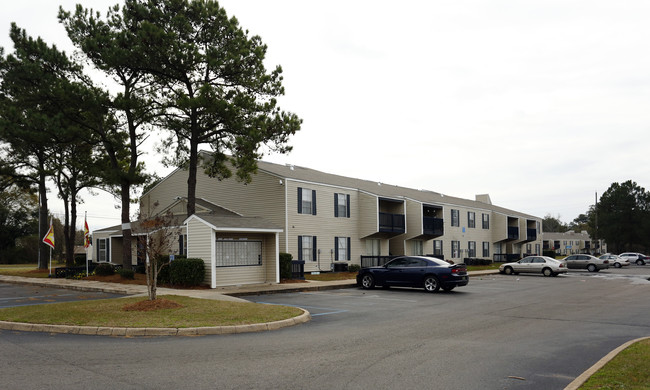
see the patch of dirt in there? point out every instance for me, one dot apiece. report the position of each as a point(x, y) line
point(138, 279)
point(156, 304)
point(288, 281)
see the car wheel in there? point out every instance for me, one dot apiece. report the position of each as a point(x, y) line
point(448, 288)
point(508, 271)
point(431, 283)
point(640, 262)
point(367, 281)
point(617, 265)
point(591, 268)
point(547, 272)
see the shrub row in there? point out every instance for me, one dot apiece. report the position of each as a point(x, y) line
point(473, 261)
point(182, 272)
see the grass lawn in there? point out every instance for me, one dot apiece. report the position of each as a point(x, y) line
point(26, 270)
point(628, 370)
point(189, 312)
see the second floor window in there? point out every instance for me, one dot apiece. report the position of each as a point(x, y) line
point(471, 219)
point(306, 201)
point(486, 221)
point(342, 205)
point(455, 217)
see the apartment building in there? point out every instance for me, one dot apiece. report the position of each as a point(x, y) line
point(571, 242)
point(326, 219)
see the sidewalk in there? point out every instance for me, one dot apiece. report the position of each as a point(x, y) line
point(227, 293)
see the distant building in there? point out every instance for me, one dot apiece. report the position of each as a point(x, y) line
point(570, 243)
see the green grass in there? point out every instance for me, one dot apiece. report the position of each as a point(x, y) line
point(26, 270)
point(628, 370)
point(109, 312)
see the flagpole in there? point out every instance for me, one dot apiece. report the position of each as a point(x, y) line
point(50, 262)
point(86, 239)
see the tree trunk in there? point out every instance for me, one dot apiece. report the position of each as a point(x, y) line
point(126, 226)
point(191, 179)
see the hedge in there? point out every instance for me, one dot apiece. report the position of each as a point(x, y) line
point(186, 272)
point(285, 265)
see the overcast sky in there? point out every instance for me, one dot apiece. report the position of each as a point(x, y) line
point(541, 104)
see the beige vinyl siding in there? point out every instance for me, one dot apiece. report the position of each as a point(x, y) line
point(164, 193)
point(414, 219)
point(199, 245)
point(368, 214)
point(499, 227)
point(324, 225)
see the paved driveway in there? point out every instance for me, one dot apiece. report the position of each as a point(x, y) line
point(12, 295)
point(499, 332)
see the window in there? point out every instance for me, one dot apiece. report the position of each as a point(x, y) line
point(342, 205)
point(455, 249)
point(486, 249)
point(471, 249)
point(418, 248)
point(471, 219)
point(437, 248)
point(306, 201)
point(529, 247)
point(307, 248)
point(537, 249)
point(236, 253)
point(102, 249)
point(486, 221)
point(373, 247)
point(455, 217)
point(182, 244)
point(342, 251)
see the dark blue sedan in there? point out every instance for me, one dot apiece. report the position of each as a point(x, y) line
point(429, 273)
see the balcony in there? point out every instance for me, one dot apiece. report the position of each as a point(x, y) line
point(531, 234)
point(433, 227)
point(392, 223)
point(513, 233)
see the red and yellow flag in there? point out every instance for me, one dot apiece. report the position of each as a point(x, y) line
point(49, 237)
point(86, 234)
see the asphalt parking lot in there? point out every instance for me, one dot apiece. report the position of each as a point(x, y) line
point(12, 295)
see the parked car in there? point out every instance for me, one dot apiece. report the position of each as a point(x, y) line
point(415, 271)
point(588, 262)
point(635, 257)
point(614, 260)
point(544, 265)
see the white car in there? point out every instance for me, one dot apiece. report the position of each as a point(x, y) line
point(616, 261)
point(535, 264)
point(634, 257)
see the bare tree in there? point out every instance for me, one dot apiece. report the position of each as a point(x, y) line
point(156, 235)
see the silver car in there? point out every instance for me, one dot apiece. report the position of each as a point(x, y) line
point(534, 264)
point(614, 260)
point(588, 262)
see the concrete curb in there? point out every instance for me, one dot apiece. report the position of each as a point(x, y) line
point(135, 332)
point(580, 380)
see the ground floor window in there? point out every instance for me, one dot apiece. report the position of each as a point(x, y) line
point(455, 249)
point(471, 249)
point(102, 249)
point(486, 249)
point(231, 253)
point(437, 248)
point(342, 251)
point(373, 247)
point(418, 248)
point(307, 248)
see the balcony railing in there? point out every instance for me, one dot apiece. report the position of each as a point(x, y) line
point(531, 234)
point(513, 233)
point(391, 223)
point(433, 226)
